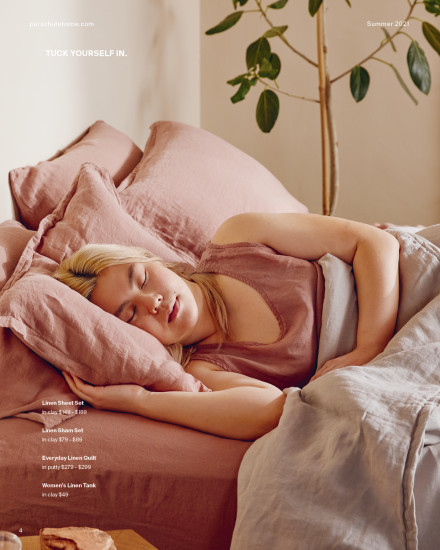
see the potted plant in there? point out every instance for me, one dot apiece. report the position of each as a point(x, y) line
point(263, 67)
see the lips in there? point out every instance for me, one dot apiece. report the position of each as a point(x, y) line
point(174, 311)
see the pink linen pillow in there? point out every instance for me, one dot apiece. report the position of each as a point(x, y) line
point(60, 325)
point(13, 239)
point(36, 190)
point(19, 366)
point(189, 181)
point(91, 212)
point(75, 335)
point(29, 384)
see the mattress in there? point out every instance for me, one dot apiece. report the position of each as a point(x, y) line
point(174, 486)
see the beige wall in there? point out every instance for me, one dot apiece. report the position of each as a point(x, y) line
point(45, 102)
point(390, 165)
point(389, 148)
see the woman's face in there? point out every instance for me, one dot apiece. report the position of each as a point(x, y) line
point(150, 297)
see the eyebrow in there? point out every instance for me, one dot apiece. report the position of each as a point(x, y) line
point(118, 312)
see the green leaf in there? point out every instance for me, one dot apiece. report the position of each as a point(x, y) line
point(348, 3)
point(268, 108)
point(278, 5)
point(403, 84)
point(275, 31)
point(433, 6)
point(257, 51)
point(359, 83)
point(226, 24)
point(237, 80)
point(275, 61)
point(241, 92)
point(270, 68)
point(314, 6)
point(419, 67)
point(432, 35)
point(265, 69)
point(241, 2)
point(388, 39)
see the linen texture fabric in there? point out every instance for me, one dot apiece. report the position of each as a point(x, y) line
point(61, 326)
point(36, 190)
point(189, 181)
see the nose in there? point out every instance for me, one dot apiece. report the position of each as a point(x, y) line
point(152, 302)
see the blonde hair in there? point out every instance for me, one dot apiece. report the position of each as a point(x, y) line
point(81, 270)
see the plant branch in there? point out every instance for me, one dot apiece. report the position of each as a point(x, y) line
point(266, 83)
point(399, 78)
point(282, 37)
point(383, 44)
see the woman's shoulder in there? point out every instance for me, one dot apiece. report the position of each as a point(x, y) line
point(239, 228)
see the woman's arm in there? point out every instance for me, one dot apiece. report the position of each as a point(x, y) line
point(374, 255)
point(239, 407)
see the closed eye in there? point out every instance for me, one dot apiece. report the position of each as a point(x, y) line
point(134, 309)
point(132, 316)
point(145, 280)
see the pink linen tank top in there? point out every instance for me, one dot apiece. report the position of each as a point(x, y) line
point(294, 290)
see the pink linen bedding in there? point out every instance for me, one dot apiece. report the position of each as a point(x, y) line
point(27, 379)
point(175, 487)
point(189, 181)
point(13, 239)
point(36, 190)
point(64, 330)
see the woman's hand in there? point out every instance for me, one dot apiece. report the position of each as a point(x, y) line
point(238, 407)
point(121, 397)
point(356, 357)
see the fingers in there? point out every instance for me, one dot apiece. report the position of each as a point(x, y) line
point(328, 367)
point(76, 385)
point(72, 378)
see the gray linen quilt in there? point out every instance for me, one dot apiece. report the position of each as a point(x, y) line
point(339, 470)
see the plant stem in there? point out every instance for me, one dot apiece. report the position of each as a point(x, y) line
point(282, 37)
point(400, 79)
point(329, 144)
point(323, 110)
point(384, 43)
point(265, 83)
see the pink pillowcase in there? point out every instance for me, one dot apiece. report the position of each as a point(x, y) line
point(91, 212)
point(18, 364)
point(13, 239)
point(189, 181)
point(27, 380)
point(60, 325)
point(36, 190)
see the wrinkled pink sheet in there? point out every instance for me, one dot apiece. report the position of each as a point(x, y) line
point(174, 486)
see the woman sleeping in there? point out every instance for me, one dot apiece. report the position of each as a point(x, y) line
point(251, 308)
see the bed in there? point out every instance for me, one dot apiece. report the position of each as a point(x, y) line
point(174, 486)
point(346, 468)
